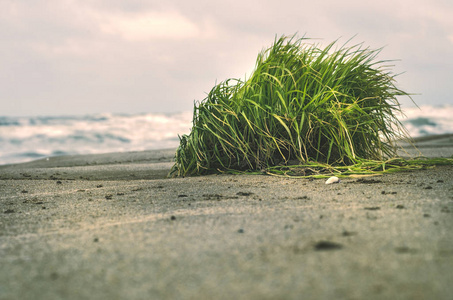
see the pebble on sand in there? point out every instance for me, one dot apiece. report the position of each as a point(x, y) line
point(333, 179)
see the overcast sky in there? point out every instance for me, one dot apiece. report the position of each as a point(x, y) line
point(60, 57)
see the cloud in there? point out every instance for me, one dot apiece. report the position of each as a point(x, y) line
point(161, 55)
point(150, 25)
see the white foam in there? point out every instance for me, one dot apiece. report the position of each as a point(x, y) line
point(428, 120)
point(28, 138)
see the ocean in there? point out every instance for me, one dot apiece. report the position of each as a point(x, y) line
point(24, 139)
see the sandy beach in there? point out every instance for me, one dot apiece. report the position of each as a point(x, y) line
point(112, 226)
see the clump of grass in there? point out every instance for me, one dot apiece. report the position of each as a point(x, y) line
point(302, 104)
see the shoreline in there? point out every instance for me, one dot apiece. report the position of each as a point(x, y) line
point(110, 226)
point(156, 164)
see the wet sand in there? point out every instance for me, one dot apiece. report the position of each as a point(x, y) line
point(113, 227)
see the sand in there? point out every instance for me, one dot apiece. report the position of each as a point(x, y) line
point(113, 227)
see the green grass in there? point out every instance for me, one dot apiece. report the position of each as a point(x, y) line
point(303, 105)
point(363, 168)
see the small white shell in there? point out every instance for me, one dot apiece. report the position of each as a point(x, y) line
point(333, 179)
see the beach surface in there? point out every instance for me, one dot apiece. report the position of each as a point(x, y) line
point(112, 226)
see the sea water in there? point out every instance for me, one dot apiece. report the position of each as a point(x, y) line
point(428, 120)
point(27, 138)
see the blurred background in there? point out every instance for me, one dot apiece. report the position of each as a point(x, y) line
point(107, 75)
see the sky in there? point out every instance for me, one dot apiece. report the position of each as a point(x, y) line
point(63, 57)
